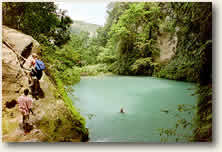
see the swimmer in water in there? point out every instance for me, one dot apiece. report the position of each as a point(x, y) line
point(121, 110)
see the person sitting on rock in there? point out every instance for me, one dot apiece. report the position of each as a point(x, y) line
point(25, 104)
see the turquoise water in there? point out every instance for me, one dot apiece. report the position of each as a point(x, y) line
point(99, 100)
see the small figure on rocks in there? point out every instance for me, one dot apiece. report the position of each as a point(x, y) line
point(25, 104)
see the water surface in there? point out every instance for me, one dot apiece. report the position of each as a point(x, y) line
point(99, 100)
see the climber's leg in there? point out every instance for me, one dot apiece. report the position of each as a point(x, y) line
point(32, 74)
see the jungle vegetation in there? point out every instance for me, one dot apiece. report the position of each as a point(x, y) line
point(50, 27)
point(127, 45)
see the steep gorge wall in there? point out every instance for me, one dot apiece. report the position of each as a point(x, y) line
point(52, 121)
point(167, 45)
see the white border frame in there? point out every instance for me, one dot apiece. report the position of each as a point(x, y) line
point(215, 146)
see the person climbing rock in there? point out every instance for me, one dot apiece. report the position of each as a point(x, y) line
point(36, 73)
point(25, 104)
point(37, 67)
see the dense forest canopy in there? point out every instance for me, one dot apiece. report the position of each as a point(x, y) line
point(128, 44)
point(38, 19)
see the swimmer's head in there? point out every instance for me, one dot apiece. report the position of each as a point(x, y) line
point(121, 110)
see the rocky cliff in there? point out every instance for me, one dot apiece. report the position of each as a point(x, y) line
point(167, 45)
point(52, 120)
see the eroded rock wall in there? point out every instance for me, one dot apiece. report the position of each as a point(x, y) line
point(52, 121)
point(167, 44)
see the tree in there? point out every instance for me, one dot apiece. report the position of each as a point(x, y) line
point(37, 19)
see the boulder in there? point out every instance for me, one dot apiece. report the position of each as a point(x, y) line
point(19, 41)
point(14, 77)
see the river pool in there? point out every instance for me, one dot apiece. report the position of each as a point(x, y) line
point(149, 104)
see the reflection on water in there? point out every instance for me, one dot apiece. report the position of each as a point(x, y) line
point(149, 104)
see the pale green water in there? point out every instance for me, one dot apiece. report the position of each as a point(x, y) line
point(142, 99)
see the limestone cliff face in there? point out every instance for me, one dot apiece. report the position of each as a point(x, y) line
point(52, 121)
point(14, 78)
point(167, 46)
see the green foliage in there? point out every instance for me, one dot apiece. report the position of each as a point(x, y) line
point(92, 70)
point(143, 66)
point(51, 28)
point(127, 45)
point(70, 76)
point(203, 130)
point(193, 59)
point(38, 18)
point(60, 63)
point(194, 49)
point(64, 125)
point(186, 67)
point(105, 56)
point(130, 36)
point(134, 35)
point(87, 47)
point(181, 123)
